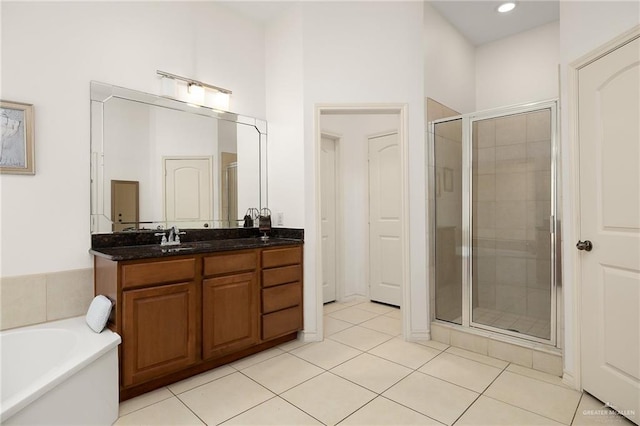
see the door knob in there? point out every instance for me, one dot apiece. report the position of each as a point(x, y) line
point(584, 245)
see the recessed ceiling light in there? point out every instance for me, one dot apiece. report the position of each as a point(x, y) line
point(506, 7)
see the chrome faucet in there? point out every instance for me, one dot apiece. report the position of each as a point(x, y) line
point(174, 237)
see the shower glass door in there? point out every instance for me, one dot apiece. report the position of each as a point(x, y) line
point(512, 205)
point(447, 192)
point(493, 192)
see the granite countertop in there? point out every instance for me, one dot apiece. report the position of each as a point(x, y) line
point(144, 245)
point(196, 247)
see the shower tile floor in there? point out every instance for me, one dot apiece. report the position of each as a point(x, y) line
point(509, 321)
point(363, 373)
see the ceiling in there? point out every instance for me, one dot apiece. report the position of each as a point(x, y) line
point(261, 11)
point(479, 22)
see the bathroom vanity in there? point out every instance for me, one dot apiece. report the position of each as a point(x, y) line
point(215, 294)
point(186, 309)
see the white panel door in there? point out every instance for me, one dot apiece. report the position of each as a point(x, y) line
point(609, 138)
point(328, 201)
point(188, 191)
point(385, 225)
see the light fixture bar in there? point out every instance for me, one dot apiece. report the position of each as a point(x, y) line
point(192, 81)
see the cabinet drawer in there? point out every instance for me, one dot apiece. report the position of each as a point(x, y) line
point(281, 322)
point(232, 262)
point(287, 274)
point(280, 297)
point(281, 257)
point(140, 274)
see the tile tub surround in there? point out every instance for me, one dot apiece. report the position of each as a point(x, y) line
point(337, 383)
point(33, 299)
point(37, 298)
point(540, 359)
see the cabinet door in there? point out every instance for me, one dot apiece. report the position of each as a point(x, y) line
point(159, 331)
point(230, 314)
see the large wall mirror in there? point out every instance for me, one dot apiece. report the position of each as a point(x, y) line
point(158, 162)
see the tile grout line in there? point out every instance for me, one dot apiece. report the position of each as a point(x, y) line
point(480, 394)
point(298, 408)
point(409, 408)
point(154, 403)
point(319, 366)
point(521, 408)
point(525, 409)
point(287, 389)
point(363, 350)
point(539, 380)
point(402, 365)
point(575, 413)
point(189, 408)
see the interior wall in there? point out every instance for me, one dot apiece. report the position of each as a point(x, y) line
point(370, 53)
point(284, 89)
point(353, 153)
point(506, 68)
point(342, 53)
point(50, 53)
point(449, 63)
point(584, 26)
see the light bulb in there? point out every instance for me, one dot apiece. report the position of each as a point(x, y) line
point(196, 93)
point(506, 7)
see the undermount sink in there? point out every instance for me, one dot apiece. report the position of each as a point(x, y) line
point(174, 249)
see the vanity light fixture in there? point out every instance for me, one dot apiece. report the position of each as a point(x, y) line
point(506, 7)
point(194, 91)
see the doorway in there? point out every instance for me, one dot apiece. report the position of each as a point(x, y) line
point(385, 220)
point(359, 127)
point(125, 204)
point(329, 217)
point(187, 191)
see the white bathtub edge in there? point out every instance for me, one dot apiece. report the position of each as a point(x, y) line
point(94, 346)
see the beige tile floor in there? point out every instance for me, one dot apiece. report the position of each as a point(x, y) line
point(363, 373)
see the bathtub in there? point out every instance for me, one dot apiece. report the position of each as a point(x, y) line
point(59, 373)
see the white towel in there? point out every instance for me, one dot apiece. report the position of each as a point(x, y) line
point(98, 313)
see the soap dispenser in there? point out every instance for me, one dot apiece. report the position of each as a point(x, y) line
point(264, 223)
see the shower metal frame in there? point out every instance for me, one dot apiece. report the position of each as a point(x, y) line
point(467, 225)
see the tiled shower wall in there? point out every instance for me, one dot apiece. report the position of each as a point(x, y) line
point(32, 299)
point(511, 209)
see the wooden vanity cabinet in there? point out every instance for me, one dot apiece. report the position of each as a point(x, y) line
point(179, 316)
point(230, 298)
point(160, 318)
point(281, 291)
point(159, 325)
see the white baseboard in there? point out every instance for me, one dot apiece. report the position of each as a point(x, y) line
point(569, 380)
point(418, 336)
point(310, 336)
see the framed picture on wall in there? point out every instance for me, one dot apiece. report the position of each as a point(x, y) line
point(16, 140)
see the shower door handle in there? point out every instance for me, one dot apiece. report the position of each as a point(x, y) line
point(584, 245)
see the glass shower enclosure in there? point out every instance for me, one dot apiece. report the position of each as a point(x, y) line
point(494, 220)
